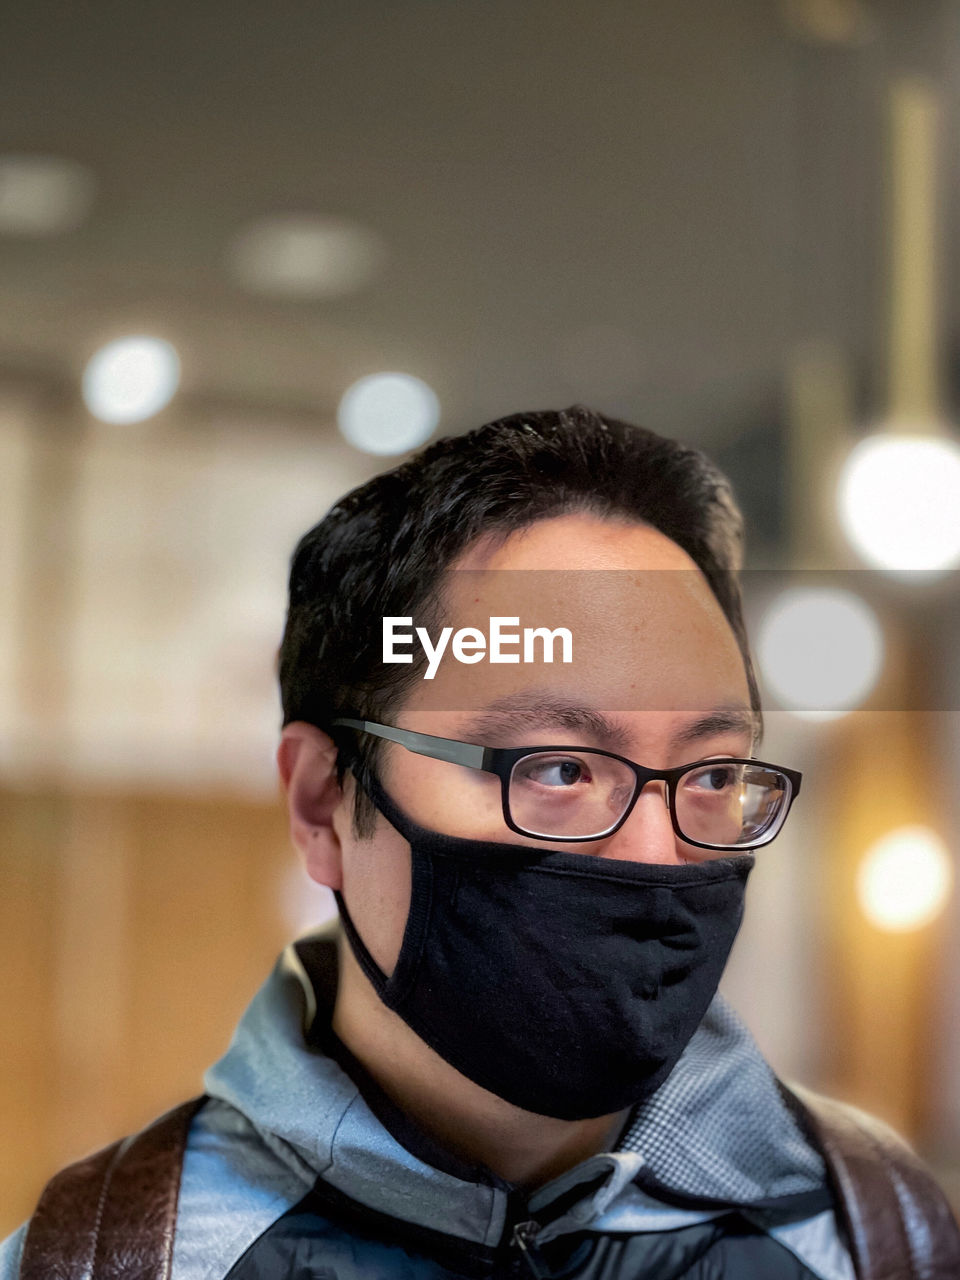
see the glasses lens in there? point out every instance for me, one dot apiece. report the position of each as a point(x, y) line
point(569, 793)
point(731, 804)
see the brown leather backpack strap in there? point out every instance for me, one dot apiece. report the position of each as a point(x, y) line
point(61, 1235)
point(113, 1214)
point(899, 1223)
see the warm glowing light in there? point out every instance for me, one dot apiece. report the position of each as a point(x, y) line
point(905, 879)
point(305, 256)
point(899, 502)
point(43, 195)
point(820, 650)
point(388, 413)
point(131, 379)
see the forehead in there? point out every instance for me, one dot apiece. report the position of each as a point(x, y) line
point(647, 631)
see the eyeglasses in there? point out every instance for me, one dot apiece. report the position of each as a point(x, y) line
point(581, 793)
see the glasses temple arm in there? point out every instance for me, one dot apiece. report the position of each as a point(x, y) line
point(424, 744)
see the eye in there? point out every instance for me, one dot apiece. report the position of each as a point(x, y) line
point(720, 778)
point(713, 778)
point(561, 771)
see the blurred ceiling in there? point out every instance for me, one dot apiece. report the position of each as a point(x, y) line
point(645, 207)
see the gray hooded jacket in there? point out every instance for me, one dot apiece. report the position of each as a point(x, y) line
point(297, 1167)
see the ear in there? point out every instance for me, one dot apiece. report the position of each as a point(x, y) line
point(306, 759)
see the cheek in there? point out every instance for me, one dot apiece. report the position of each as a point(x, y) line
point(447, 797)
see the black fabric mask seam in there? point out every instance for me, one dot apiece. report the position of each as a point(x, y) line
point(644, 883)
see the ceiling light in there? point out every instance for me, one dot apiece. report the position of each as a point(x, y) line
point(131, 379)
point(388, 413)
point(899, 502)
point(820, 650)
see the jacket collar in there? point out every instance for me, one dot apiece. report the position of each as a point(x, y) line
point(717, 1133)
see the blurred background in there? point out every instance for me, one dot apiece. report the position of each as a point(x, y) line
point(251, 255)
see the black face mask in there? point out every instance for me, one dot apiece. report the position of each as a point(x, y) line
point(565, 983)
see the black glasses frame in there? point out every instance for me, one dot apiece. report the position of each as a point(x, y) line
point(501, 761)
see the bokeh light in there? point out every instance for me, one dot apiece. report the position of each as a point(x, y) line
point(305, 256)
point(43, 195)
point(388, 413)
point(820, 650)
point(131, 379)
point(904, 879)
point(899, 502)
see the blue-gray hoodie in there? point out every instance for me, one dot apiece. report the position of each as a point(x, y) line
point(297, 1167)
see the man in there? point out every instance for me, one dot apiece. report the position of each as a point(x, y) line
point(511, 1059)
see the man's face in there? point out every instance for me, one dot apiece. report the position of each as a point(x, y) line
point(654, 656)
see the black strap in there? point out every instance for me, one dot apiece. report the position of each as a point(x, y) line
point(899, 1223)
point(113, 1214)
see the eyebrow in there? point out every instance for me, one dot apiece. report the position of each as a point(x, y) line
point(731, 718)
point(537, 711)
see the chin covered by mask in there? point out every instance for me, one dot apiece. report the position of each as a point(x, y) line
point(564, 983)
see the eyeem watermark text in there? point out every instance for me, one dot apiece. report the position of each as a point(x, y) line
point(470, 644)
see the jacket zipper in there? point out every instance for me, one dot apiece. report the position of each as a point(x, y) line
point(524, 1239)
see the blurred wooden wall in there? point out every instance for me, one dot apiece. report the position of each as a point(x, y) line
point(883, 988)
point(133, 932)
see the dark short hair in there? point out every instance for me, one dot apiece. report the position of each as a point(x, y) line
point(383, 548)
